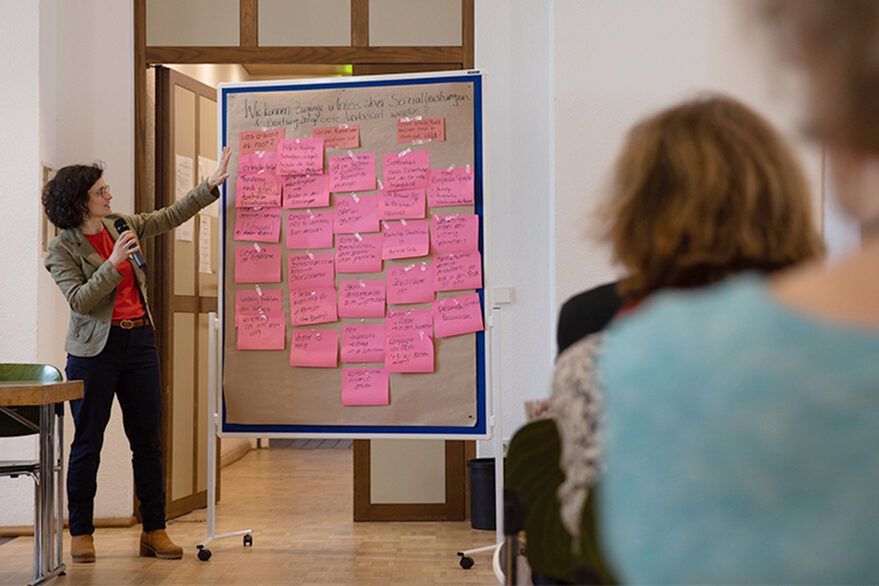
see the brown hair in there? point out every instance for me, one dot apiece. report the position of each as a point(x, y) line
point(837, 42)
point(704, 190)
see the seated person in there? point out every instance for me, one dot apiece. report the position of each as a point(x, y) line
point(702, 190)
point(742, 421)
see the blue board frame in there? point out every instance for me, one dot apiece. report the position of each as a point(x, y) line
point(481, 430)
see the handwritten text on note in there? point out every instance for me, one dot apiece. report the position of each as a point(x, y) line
point(261, 189)
point(300, 156)
point(310, 229)
point(315, 348)
point(404, 204)
point(457, 315)
point(363, 343)
point(313, 270)
point(258, 224)
point(312, 306)
point(359, 253)
point(410, 284)
point(412, 352)
point(406, 170)
point(306, 191)
point(362, 299)
point(423, 130)
point(252, 141)
point(455, 233)
point(355, 213)
point(450, 187)
point(365, 386)
point(258, 264)
point(339, 137)
point(352, 172)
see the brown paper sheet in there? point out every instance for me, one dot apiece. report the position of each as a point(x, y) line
point(260, 387)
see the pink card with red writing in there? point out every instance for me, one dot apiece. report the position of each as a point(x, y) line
point(315, 348)
point(365, 386)
point(406, 170)
point(260, 190)
point(260, 332)
point(312, 306)
point(363, 343)
point(352, 172)
point(450, 187)
point(407, 321)
point(254, 141)
point(306, 191)
point(301, 156)
point(404, 204)
point(362, 299)
point(410, 284)
point(421, 129)
point(405, 239)
point(312, 270)
point(457, 315)
point(310, 229)
point(254, 163)
point(411, 352)
point(456, 271)
point(260, 302)
point(258, 224)
point(455, 233)
point(258, 264)
point(339, 137)
point(359, 253)
point(355, 213)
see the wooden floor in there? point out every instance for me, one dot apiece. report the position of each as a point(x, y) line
point(298, 502)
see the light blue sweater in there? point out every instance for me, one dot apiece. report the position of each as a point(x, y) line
point(742, 443)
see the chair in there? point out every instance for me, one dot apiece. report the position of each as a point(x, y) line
point(19, 421)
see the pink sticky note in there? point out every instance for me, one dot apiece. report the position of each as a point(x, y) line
point(301, 156)
point(259, 332)
point(260, 190)
point(405, 239)
point(410, 284)
point(359, 253)
point(363, 343)
point(258, 264)
point(355, 213)
point(258, 224)
point(457, 315)
point(313, 270)
point(339, 137)
point(259, 302)
point(456, 233)
point(362, 299)
point(312, 306)
point(421, 129)
point(254, 163)
point(316, 348)
point(365, 386)
point(411, 352)
point(457, 271)
point(408, 321)
point(310, 229)
point(450, 187)
point(306, 191)
point(404, 204)
point(406, 170)
point(352, 172)
point(252, 141)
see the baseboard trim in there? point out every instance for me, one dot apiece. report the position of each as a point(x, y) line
point(235, 454)
point(20, 530)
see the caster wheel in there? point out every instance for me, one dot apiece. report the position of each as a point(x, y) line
point(204, 554)
point(248, 540)
point(466, 562)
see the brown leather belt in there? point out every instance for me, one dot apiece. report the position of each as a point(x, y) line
point(127, 324)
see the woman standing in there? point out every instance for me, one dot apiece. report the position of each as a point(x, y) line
point(110, 340)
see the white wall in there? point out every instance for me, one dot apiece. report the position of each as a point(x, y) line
point(72, 102)
point(514, 48)
point(619, 61)
point(19, 222)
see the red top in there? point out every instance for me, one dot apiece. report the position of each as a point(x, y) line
point(128, 303)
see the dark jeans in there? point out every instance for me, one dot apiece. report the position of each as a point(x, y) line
point(127, 367)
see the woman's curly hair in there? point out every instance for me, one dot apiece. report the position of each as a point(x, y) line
point(66, 195)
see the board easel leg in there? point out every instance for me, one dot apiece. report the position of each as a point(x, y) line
point(204, 554)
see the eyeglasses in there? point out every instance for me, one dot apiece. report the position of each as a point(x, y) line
point(103, 191)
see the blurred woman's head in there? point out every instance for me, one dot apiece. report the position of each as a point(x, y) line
point(837, 44)
point(703, 190)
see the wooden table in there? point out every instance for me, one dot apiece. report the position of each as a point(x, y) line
point(46, 395)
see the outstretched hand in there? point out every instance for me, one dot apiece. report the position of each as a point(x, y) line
point(220, 175)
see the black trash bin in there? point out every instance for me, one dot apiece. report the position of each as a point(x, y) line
point(482, 493)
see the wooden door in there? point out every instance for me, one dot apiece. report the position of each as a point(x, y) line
point(185, 285)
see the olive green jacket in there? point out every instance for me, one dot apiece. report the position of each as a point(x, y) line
point(90, 283)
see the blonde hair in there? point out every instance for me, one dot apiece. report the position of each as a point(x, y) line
point(703, 190)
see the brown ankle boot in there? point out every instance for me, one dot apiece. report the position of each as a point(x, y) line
point(158, 544)
point(82, 548)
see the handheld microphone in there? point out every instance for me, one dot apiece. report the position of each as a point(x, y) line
point(121, 226)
